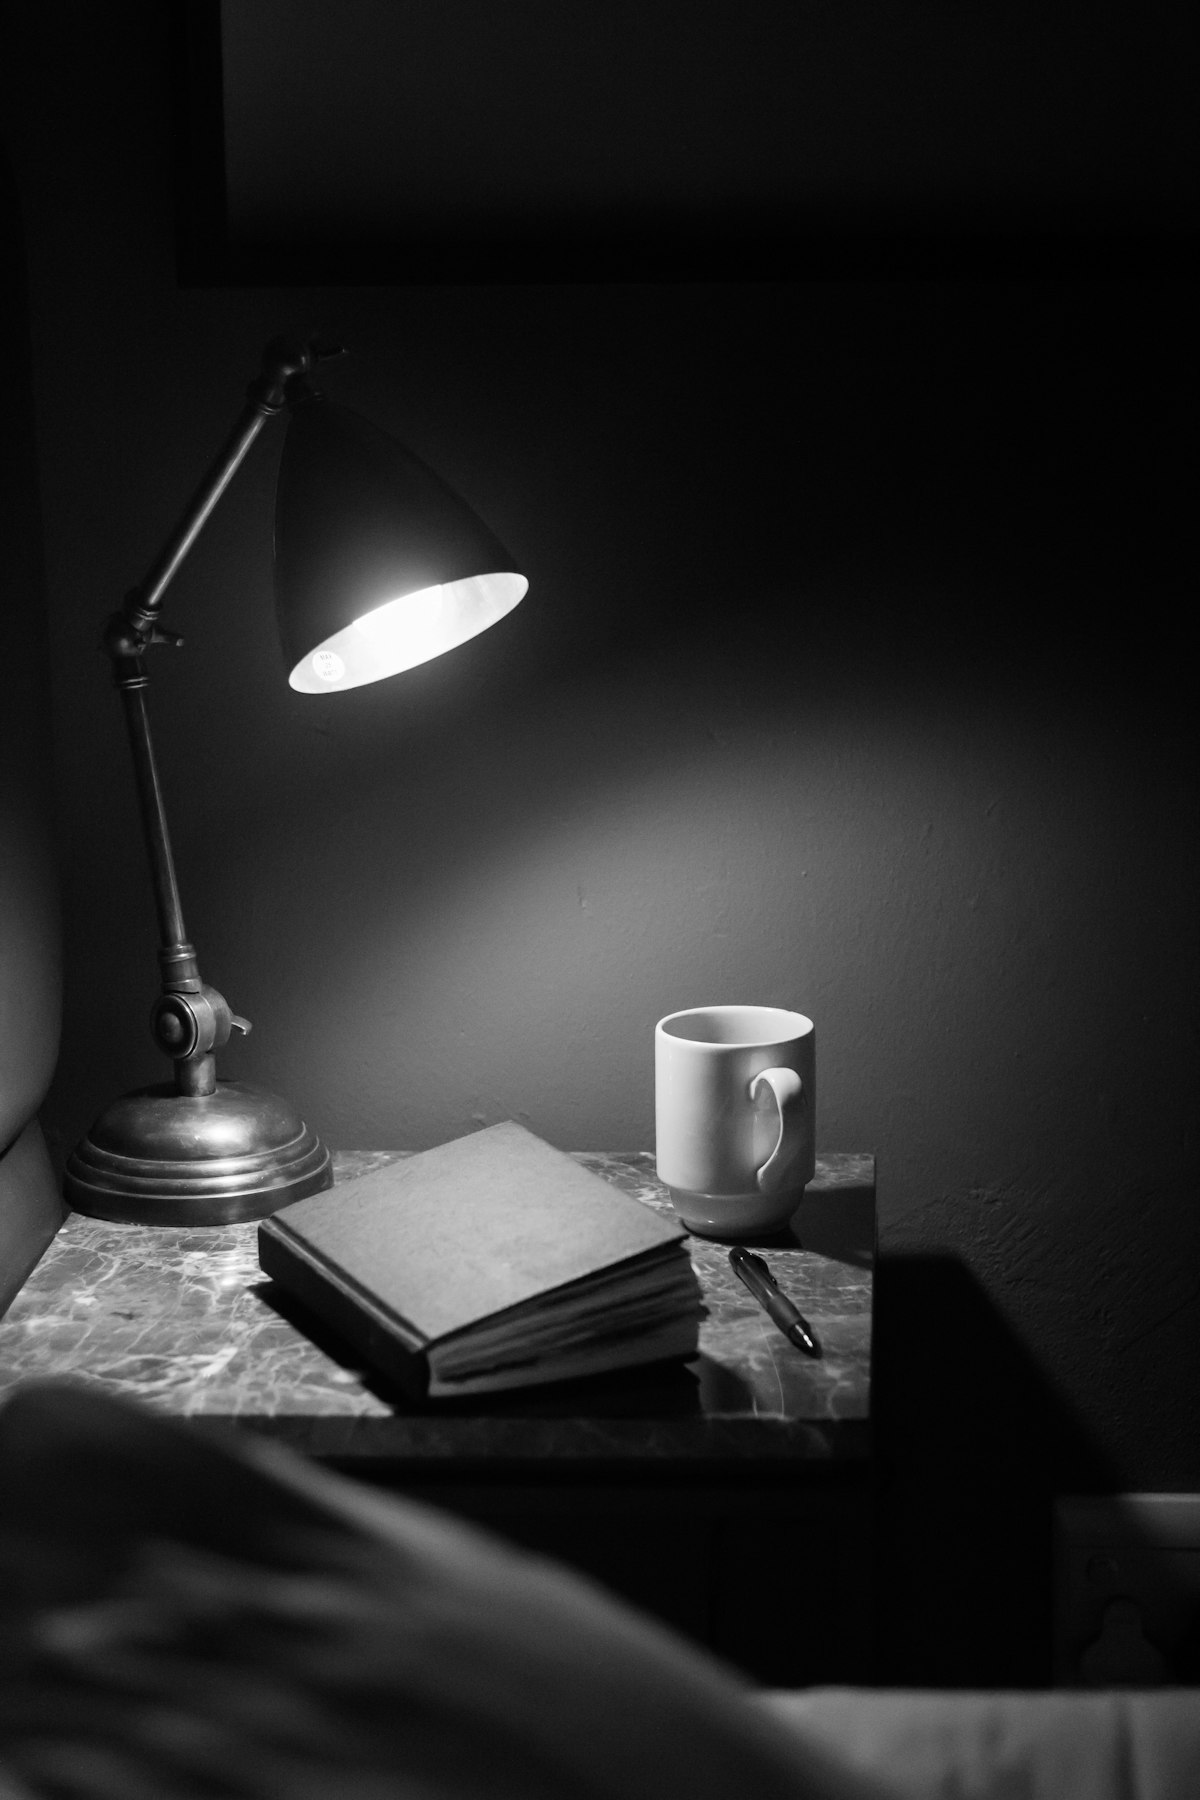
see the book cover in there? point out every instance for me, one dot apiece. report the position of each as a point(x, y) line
point(492, 1261)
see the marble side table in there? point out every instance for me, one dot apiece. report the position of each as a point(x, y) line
point(681, 1485)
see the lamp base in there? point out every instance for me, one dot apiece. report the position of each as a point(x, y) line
point(158, 1157)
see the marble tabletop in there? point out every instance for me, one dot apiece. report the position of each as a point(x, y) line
point(184, 1319)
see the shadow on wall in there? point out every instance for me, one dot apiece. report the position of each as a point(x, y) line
point(973, 1445)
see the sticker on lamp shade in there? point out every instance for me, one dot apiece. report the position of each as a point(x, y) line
point(328, 666)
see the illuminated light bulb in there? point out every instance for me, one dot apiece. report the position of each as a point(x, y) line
point(406, 630)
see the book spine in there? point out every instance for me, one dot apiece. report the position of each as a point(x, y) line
point(384, 1344)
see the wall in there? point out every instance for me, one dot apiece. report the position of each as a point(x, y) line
point(850, 676)
point(31, 1208)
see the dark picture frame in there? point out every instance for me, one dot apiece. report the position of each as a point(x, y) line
point(887, 151)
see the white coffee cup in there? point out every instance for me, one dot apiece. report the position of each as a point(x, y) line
point(735, 1104)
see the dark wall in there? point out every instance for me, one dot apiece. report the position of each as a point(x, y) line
point(683, 130)
point(30, 964)
point(851, 676)
point(31, 1208)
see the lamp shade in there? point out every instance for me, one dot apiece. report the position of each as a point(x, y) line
point(378, 564)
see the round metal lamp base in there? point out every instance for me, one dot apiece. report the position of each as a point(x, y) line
point(158, 1157)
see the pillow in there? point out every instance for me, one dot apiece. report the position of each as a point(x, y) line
point(1118, 1745)
point(188, 1614)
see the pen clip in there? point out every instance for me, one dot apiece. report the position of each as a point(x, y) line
point(760, 1268)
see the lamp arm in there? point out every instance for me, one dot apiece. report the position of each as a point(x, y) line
point(190, 1020)
point(282, 380)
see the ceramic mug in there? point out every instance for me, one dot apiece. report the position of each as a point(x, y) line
point(735, 1102)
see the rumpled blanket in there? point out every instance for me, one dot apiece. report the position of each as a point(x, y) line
point(184, 1617)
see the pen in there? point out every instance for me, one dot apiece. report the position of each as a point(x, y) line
point(754, 1273)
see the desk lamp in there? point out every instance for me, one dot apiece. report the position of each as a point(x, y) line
point(378, 566)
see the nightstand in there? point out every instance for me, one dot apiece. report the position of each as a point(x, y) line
point(729, 1495)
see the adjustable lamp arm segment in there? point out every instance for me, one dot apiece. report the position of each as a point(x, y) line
point(284, 378)
point(191, 1020)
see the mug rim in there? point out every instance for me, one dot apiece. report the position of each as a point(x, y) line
point(801, 1026)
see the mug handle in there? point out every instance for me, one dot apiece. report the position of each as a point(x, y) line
point(788, 1090)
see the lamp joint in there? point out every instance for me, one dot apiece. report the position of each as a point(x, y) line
point(194, 1024)
point(133, 630)
point(286, 370)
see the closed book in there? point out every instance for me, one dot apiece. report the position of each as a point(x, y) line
point(492, 1262)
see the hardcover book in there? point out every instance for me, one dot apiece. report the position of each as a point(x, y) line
point(491, 1262)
